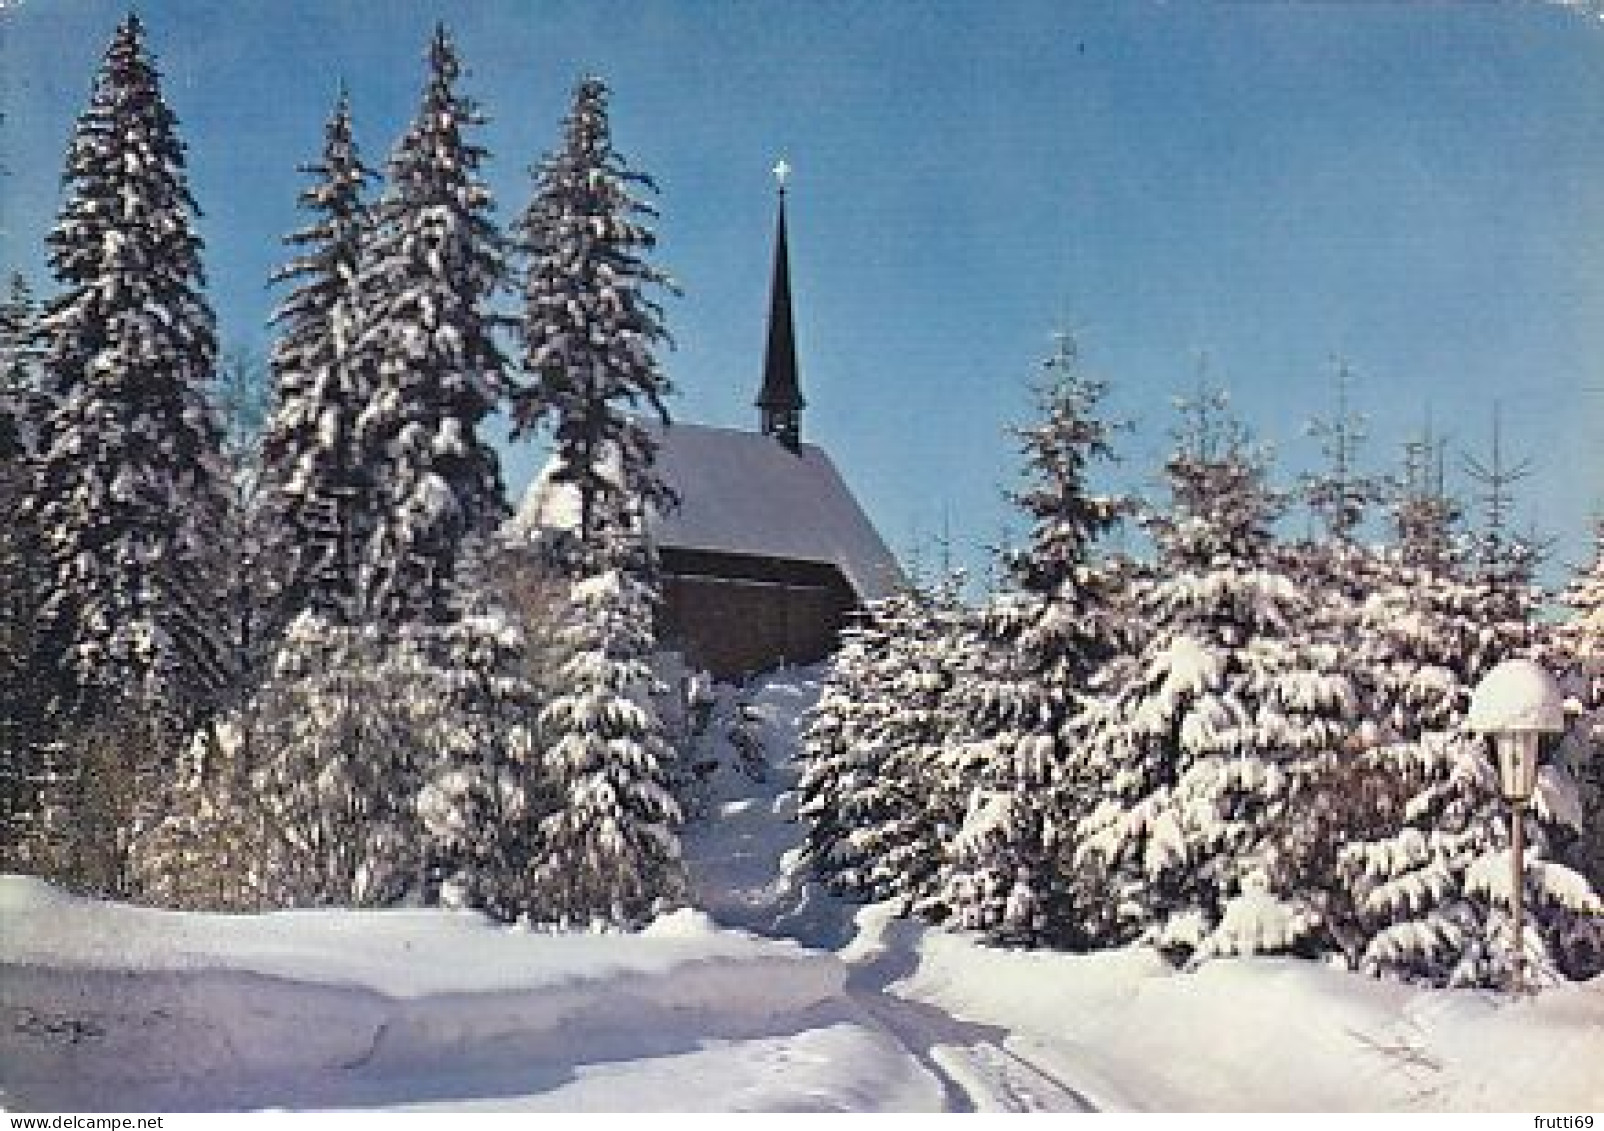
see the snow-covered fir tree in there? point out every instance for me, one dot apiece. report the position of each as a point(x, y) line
point(1420, 905)
point(840, 762)
point(19, 372)
point(319, 499)
point(129, 490)
point(590, 324)
point(1042, 639)
point(1566, 933)
point(1503, 562)
point(1422, 638)
point(1332, 564)
point(1579, 649)
point(609, 850)
point(1582, 631)
point(21, 750)
point(338, 766)
point(484, 787)
point(430, 368)
point(869, 789)
point(1206, 730)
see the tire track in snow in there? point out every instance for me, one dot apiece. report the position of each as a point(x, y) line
point(969, 1060)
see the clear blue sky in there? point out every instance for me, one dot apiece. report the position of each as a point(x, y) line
point(1417, 187)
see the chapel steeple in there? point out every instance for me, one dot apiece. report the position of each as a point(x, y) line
point(781, 396)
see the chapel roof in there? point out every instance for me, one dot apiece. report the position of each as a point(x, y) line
point(746, 493)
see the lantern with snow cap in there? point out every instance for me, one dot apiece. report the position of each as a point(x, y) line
point(1517, 703)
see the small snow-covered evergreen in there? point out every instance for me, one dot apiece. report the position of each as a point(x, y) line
point(590, 325)
point(841, 761)
point(430, 367)
point(1039, 644)
point(319, 771)
point(319, 500)
point(1579, 652)
point(484, 788)
point(210, 848)
point(608, 850)
point(1206, 730)
point(1581, 633)
point(369, 767)
point(869, 789)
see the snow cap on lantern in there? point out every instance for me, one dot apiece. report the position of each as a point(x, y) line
point(1517, 702)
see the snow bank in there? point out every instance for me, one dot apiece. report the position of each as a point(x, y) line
point(396, 953)
point(104, 1006)
point(1256, 1034)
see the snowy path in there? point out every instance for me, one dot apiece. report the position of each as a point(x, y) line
point(736, 862)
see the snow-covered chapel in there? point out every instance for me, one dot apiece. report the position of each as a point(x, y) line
point(768, 552)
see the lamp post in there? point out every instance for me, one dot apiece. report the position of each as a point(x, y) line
point(1516, 704)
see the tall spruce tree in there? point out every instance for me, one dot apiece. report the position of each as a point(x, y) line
point(20, 657)
point(610, 850)
point(129, 489)
point(1045, 636)
point(318, 496)
point(590, 325)
point(430, 365)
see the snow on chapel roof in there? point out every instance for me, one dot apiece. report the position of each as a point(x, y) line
point(746, 493)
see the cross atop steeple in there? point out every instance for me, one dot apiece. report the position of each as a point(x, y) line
point(781, 395)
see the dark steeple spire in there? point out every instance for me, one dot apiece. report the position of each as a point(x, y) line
point(781, 397)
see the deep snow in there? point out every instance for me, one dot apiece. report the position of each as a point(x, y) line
point(105, 1006)
point(112, 1007)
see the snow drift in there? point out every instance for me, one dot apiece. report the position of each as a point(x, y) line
point(123, 1008)
point(1258, 1034)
